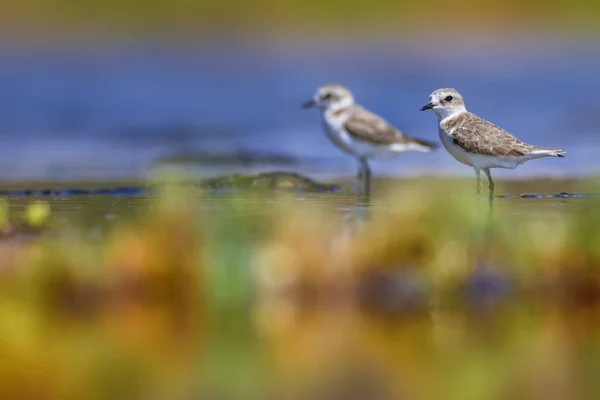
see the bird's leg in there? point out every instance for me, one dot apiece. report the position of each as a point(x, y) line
point(367, 175)
point(479, 183)
point(491, 181)
point(361, 173)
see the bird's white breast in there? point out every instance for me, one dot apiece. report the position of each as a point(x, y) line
point(333, 125)
point(456, 152)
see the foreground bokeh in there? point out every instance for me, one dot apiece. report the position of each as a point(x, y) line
point(427, 294)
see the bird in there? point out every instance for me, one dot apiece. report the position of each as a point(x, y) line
point(360, 132)
point(477, 142)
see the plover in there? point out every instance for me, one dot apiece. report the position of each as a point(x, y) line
point(359, 132)
point(479, 143)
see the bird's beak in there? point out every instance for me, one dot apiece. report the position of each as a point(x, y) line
point(309, 104)
point(427, 106)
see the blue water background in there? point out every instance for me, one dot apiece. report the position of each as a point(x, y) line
point(113, 111)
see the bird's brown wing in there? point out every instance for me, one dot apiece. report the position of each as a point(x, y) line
point(366, 126)
point(478, 136)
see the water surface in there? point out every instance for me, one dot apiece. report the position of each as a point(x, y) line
point(110, 112)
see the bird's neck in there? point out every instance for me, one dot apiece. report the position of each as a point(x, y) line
point(449, 113)
point(338, 107)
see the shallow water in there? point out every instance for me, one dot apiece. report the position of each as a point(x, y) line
point(112, 111)
point(95, 210)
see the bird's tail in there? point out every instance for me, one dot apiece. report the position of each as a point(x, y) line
point(545, 151)
point(424, 145)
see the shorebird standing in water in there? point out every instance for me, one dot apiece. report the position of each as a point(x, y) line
point(479, 143)
point(359, 132)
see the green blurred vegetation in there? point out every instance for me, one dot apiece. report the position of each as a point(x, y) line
point(312, 17)
point(426, 295)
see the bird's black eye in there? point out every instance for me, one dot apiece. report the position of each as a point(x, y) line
point(327, 96)
point(449, 98)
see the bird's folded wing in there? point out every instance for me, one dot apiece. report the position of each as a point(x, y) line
point(478, 136)
point(366, 126)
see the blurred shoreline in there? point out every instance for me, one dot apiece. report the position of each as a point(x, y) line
point(205, 18)
point(517, 41)
point(513, 186)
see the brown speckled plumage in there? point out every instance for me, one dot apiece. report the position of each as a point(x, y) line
point(476, 135)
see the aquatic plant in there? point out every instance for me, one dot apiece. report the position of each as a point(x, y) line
point(424, 293)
